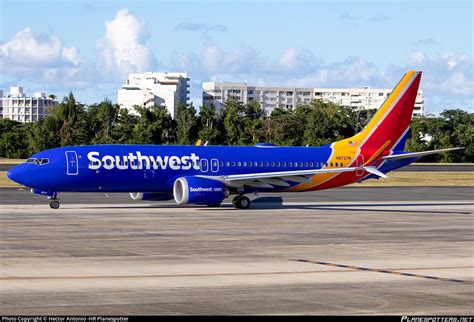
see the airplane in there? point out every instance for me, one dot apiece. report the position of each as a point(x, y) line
point(206, 175)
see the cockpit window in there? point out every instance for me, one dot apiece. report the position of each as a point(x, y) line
point(39, 161)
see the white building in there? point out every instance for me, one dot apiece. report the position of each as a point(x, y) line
point(18, 107)
point(289, 97)
point(154, 89)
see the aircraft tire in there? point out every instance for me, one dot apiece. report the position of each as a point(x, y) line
point(242, 202)
point(54, 204)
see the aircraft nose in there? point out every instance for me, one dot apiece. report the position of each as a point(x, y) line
point(19, 175)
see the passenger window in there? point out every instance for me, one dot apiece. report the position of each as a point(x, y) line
point(273, 164)
point(278, 164)
point(290, 164)
point(245, 163)
point(267, 164)
point(233, 163)
point(239, 164)
point(337, 164)
point(255, 164)
point(227, 164)
point(331, 164)
point(306, 164)
point(221, 164)
point(250, 164)
point(284, 164)
point(261, 164)
point(311, 164)
point(301, 164)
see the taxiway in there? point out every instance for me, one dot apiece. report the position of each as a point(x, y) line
point(405, 251)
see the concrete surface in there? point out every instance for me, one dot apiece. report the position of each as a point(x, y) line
point(14, 196)
point(342, 252)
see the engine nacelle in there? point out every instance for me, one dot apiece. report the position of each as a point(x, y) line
point(153, 196)
point(200, 191)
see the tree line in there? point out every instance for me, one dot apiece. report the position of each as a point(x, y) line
point(316, 123)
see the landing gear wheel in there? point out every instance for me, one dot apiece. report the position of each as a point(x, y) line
point(54, 204)
point(241, 202)
point(235, 200)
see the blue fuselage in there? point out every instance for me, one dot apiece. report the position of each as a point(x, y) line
point(151, 168)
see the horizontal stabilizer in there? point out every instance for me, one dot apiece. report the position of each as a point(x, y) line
point(418, 154)
point(374, 170)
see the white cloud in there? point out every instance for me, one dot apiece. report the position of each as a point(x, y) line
point(42, 58)
point(416, 57)
point(297, 66)
point(27, 52)
point(243, 61)
point(122, 50)
point(72, 55)
point(447, 78)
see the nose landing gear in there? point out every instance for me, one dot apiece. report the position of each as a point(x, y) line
point(54, 204)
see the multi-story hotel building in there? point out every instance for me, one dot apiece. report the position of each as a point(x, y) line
point(289, 97)
point(154, 89)
point(18, 107)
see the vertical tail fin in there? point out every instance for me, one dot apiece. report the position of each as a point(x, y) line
point(389, 126)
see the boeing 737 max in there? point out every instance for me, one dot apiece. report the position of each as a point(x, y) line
point(206, 175)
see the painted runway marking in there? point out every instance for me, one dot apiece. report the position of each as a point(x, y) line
point(386, 271)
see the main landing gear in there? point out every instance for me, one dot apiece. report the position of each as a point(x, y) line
point(241, 202)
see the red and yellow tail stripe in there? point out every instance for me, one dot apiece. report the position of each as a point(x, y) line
point(376, 140)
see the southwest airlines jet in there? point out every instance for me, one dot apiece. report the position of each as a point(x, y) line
point(206, 175)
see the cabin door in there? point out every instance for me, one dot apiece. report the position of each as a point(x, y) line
point(72, 167)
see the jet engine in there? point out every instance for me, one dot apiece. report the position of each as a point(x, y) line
point(197, 190)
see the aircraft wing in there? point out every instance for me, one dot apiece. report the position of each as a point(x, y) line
point(418, 154)
point(280, 178)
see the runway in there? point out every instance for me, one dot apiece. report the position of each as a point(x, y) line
point(13, 196)
point(405, 251)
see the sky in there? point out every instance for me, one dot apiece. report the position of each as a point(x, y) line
point(89, 47)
